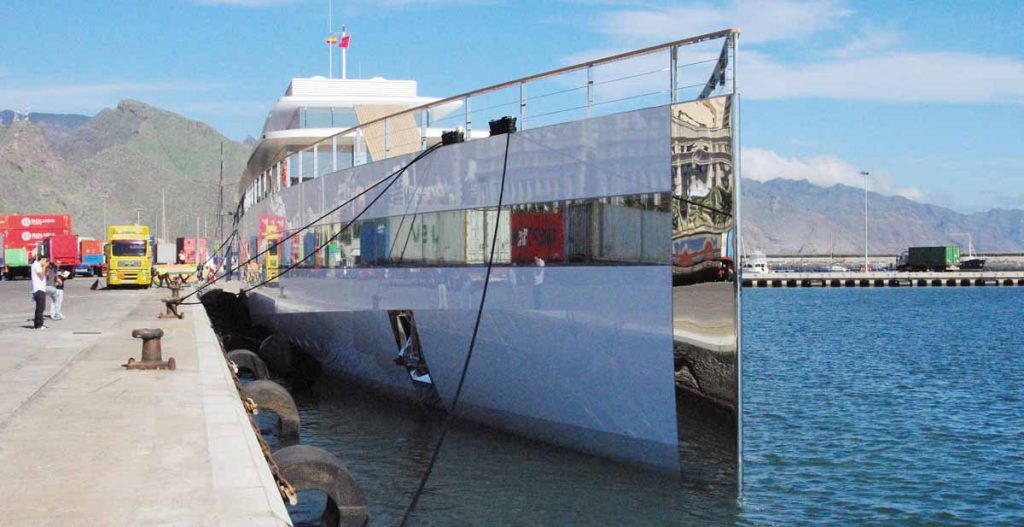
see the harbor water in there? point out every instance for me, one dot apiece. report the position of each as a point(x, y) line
point(861, 407)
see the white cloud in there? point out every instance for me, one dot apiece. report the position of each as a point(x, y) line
point(764, 21)
point(901, 76)
point(868, 40)
point(823, 170)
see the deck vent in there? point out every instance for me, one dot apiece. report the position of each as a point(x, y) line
point(505, 125)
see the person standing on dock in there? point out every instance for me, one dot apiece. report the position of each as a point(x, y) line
point(56, 308)
point(38, 272)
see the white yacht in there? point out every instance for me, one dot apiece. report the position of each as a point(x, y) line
point(568, 222)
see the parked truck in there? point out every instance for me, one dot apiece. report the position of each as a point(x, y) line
point(129, 256)
point(942, 258)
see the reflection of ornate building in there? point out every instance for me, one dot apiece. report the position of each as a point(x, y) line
point(702, 168)
point(701, 146)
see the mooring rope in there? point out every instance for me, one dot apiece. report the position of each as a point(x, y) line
point(469, 354)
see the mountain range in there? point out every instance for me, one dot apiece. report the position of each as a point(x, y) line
point(103, 169)
point(112, 168)
point(792, 217)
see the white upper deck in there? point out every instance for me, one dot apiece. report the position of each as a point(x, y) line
point(313, 108)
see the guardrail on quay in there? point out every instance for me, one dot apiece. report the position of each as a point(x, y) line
point(885, 279)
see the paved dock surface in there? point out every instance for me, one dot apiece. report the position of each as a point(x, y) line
point(85, 442)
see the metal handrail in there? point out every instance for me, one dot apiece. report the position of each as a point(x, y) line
point(588, 66)
point(552, 73)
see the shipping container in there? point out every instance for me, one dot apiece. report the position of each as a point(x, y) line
point(941, 258)
point(537, 235)
point(621, 233)
point(89, 246)
point(29, 239)
point(429, 238)
point(656, 241)
point(188, 245)
point(580, 232)
point(94, 260)
point(374, 238)
point(48, 222)
point(62, 250)
point(1, 252)
point(166, 253)
point(16, 262)
point(480, 232)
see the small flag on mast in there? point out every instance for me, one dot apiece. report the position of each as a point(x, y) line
point(331, 40)
point(344, 40)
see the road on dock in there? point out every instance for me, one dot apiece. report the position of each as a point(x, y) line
point(85, 442)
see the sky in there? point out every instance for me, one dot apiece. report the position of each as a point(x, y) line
point(927, 96)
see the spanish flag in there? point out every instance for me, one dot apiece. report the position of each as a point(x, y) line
point(331, 40)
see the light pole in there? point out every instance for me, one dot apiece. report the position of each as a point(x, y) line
point(865, 174)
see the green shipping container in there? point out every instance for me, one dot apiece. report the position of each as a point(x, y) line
point(934, 258)
point(15, 257)
point(953, 255)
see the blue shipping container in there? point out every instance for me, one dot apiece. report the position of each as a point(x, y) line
point(93, 259)
point(373, 242)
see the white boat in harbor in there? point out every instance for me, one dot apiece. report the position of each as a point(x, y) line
point(608, 190)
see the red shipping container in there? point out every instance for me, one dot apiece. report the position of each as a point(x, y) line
point(26, 238)
point(62, 250)
point(537, 234)
point(31, 222)
point(3, 222)
point(91, 247)
point(188, 245)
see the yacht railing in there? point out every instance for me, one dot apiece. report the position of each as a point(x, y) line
point(680, 70)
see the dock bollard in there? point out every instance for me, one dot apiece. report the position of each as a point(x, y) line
point(151, 353)
point(171, 306)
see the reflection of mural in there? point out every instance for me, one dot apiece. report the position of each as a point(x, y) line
point(704, 292)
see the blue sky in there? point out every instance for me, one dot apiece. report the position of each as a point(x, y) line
point(928, 96)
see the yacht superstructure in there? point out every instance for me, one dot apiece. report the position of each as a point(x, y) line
point(576, 224)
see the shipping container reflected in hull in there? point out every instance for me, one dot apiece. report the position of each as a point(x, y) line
point(578, 337)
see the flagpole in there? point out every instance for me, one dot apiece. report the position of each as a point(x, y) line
point(344, 55)
point(330, 47)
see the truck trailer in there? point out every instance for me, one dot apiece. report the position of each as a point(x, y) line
point(940, 258)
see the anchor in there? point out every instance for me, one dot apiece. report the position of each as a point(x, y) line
point(151, 354)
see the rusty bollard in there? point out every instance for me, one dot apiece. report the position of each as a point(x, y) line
point(171, 306)
point(151, 354)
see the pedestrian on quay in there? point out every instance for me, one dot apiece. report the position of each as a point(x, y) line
point(51, 288)
point(56, 307)
point(38, 272)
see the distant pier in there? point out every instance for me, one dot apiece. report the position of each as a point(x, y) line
point(885, 279)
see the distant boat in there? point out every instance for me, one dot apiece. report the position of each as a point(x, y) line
point(757, 264)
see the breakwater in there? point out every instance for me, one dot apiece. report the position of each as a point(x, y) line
point(885, 279)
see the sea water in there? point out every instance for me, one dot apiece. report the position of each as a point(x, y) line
point(861, 407)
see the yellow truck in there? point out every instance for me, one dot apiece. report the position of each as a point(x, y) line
point(129, 255)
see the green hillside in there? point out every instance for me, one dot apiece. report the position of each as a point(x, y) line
point(115, 165)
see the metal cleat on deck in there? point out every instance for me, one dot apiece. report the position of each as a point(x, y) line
point(151, 354)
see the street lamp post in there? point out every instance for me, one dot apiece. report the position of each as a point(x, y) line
point(865, 174)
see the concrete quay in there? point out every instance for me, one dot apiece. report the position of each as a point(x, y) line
point(83, 441)
point(885, 279)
